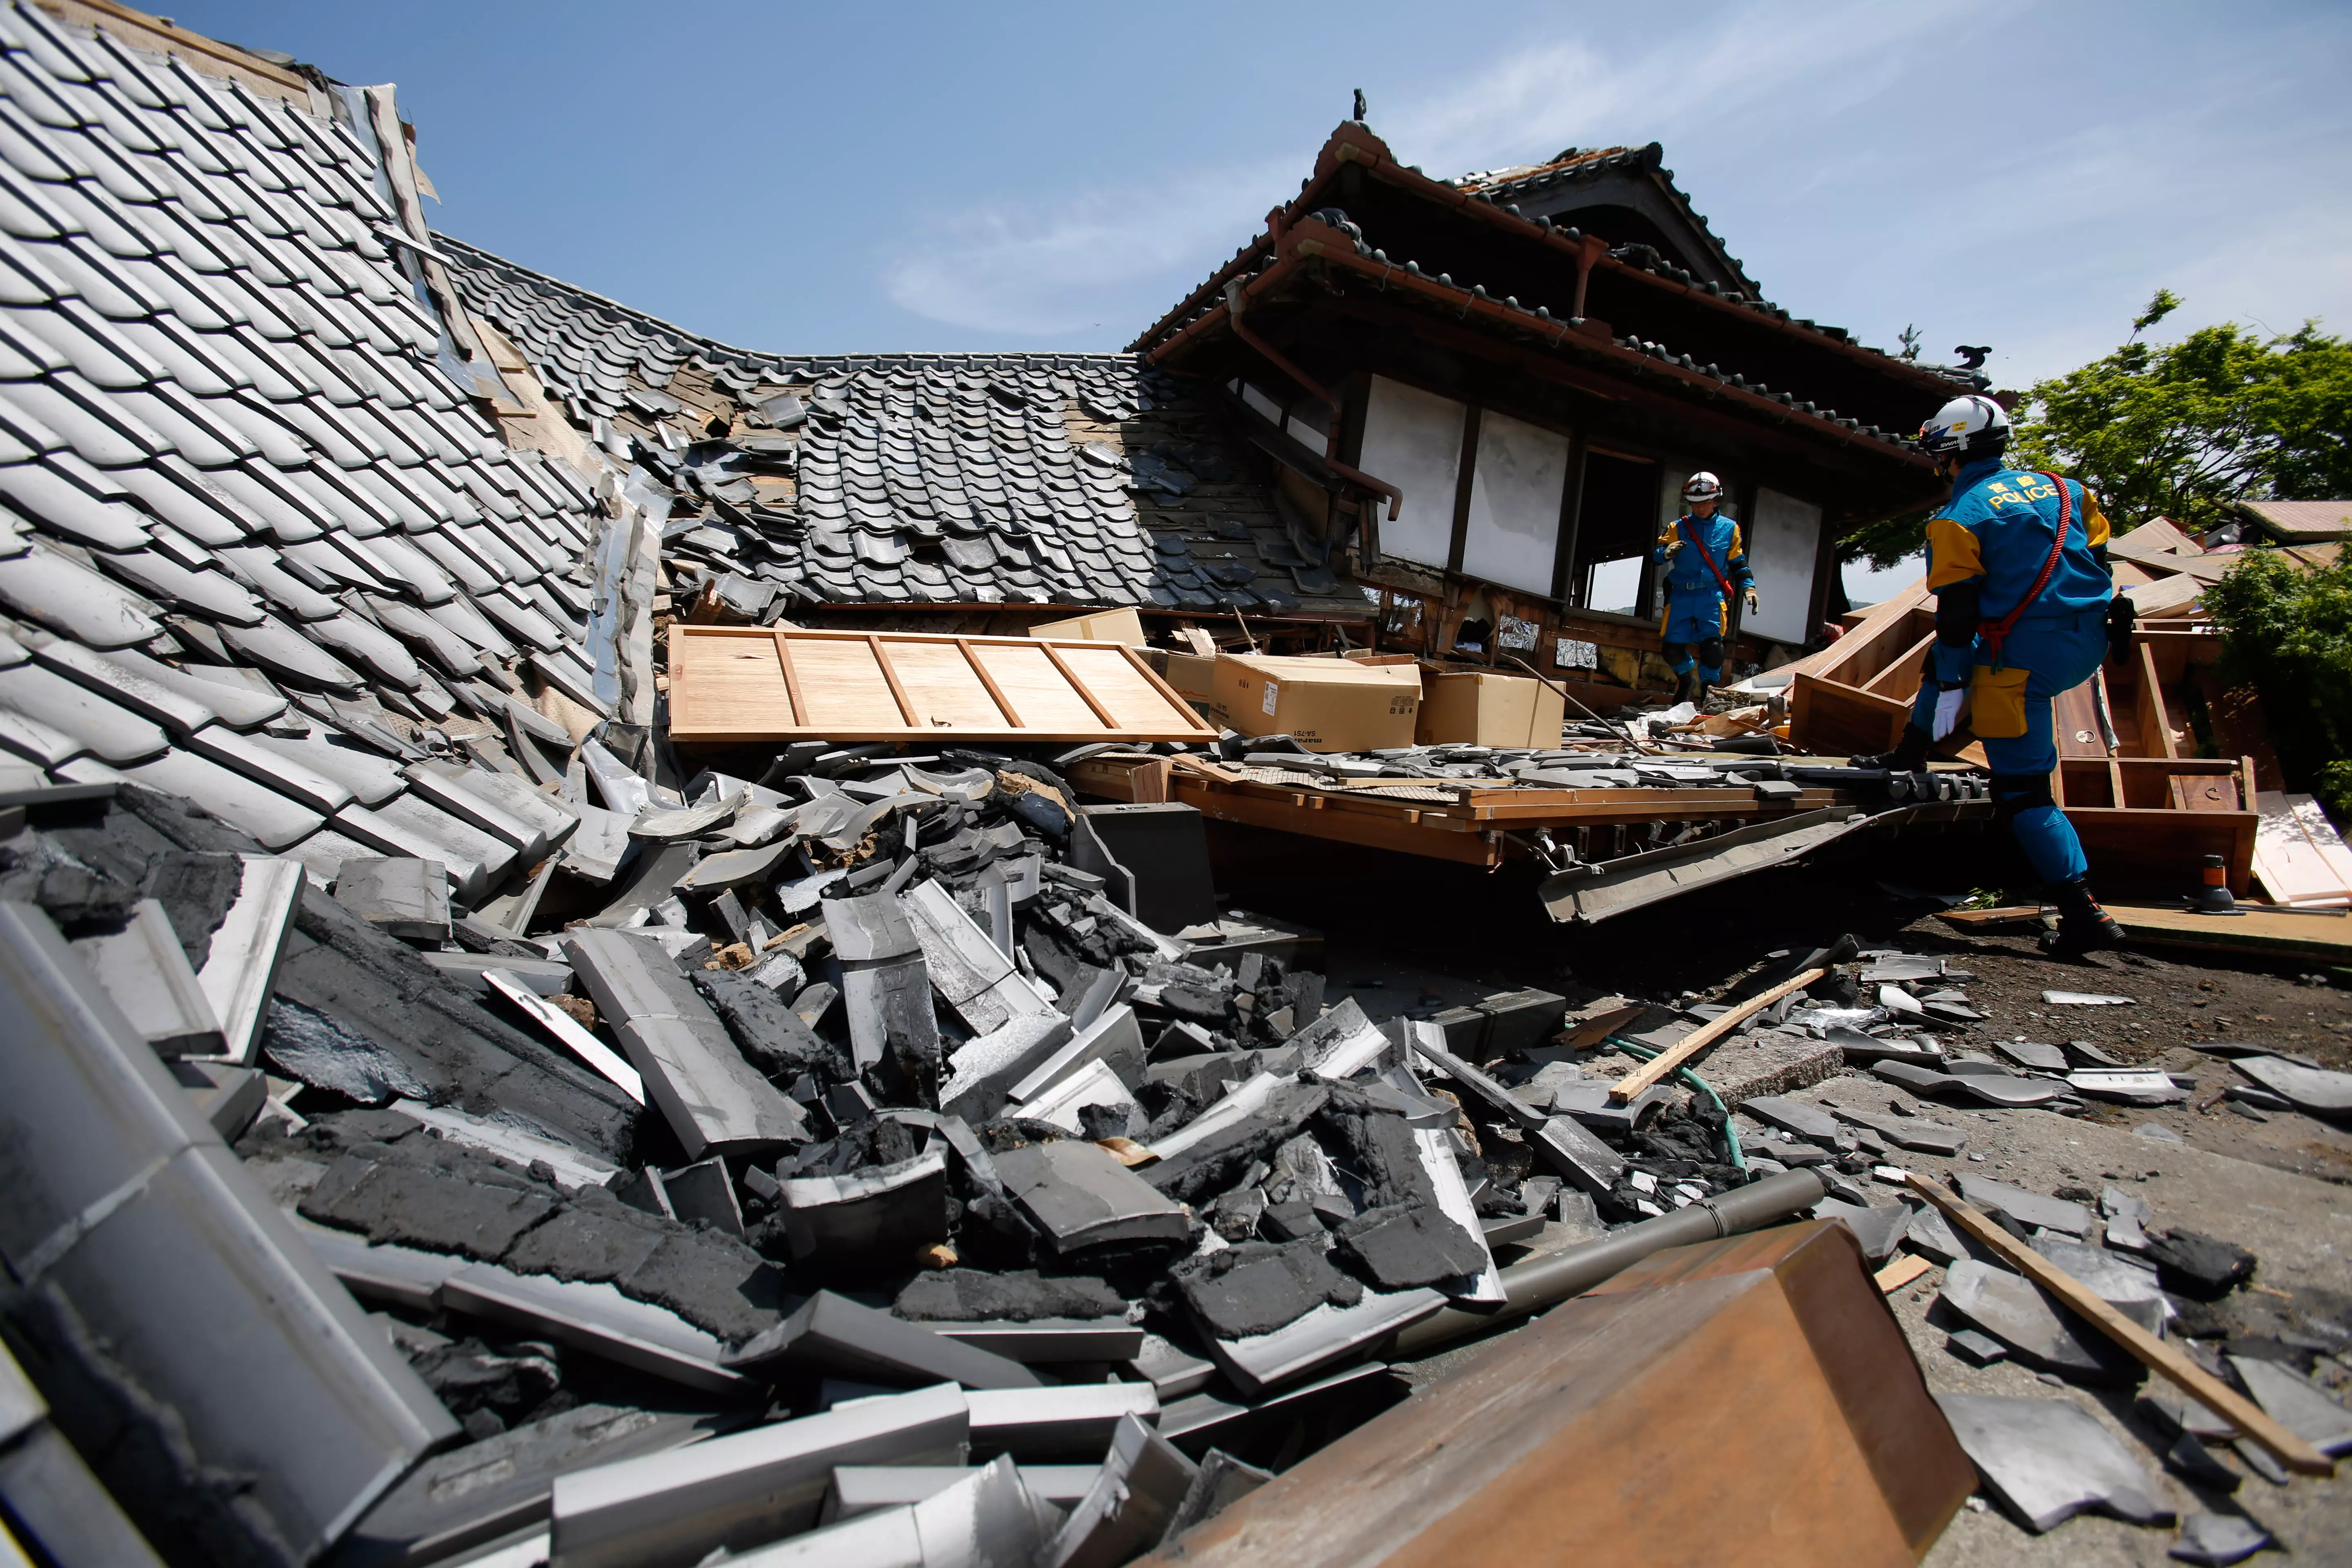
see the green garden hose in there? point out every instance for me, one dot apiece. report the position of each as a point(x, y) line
point(1731, 1134)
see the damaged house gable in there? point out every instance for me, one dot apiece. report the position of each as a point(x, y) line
point(1489, 405)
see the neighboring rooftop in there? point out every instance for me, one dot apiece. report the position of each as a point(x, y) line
point(2301, 522)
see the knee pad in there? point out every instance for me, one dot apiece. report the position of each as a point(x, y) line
point(1710, 652)
point(2015, 793)
point(1678, 657)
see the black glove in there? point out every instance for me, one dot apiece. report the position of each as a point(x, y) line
point(2121, 617)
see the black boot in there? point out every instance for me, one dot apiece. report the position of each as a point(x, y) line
point(1686, 685)
point(2083, 927)
point(1909, 756)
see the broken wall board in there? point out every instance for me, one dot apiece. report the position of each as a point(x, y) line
point(2298, 855)
point(779, 683)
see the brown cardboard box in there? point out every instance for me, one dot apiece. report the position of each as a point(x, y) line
point(1329, 704)
point(1473, 707)
point(1195, 679)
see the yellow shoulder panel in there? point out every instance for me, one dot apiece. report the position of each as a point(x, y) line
point(2095, 521)
point(1953, 553)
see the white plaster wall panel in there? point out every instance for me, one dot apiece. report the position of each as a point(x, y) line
point(1413, 440)
point(1515, 490)
point(1783, 544)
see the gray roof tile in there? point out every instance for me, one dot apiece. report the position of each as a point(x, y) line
point(270, 816)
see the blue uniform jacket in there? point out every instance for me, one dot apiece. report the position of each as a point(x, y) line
point(1997, 527)
point(1688, 575)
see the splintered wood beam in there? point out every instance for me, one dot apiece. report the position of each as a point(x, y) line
point(2199, 1385)
point(1706, 1035)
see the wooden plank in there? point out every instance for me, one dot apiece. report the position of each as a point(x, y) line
point(1900, 679)
point(2075, 716)
point(720, 677)
point(1863, 651)
point(843, 688)
point(1085, 693)
point(1120, 682)
point(890, 677)
point(1900, 1272)
point(1359, 829)
point(2158, 853)
point(1168, 694)
point(988, 682)
point(2152, 1352)
point(1706, 1035)
point(943, 689)
point(2322, 934)
point(1043, 694)
point(791, 681)
point(2009, 917)
point(1827, 718)
point(2155, 731)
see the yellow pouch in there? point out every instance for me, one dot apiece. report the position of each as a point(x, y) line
point(1996, 702)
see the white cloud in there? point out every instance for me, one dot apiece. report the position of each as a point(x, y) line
point(1119, 256)
point(1529, 106)
point(1084, 262)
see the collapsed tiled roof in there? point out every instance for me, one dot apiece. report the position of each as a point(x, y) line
point(1064, 479)
point(256, 547)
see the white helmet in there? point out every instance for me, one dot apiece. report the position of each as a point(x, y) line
point(1970, 426)
point(1702, 486)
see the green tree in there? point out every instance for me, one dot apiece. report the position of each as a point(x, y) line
point(2178, 430)
point(2181, 430)
point(1889, 542)
point(2288, 632)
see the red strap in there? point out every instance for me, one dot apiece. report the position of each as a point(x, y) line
point(1729, 592)
point(1996, 632)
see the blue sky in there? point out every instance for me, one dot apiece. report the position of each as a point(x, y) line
point(921, 176)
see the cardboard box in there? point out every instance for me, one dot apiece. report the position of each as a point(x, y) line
point(1329, 704)
point(1099, 625)
point(1473, 707)
point(1195, 680)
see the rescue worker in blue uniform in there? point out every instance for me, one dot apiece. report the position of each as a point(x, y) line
point(2022, 616)
point(1706, 563)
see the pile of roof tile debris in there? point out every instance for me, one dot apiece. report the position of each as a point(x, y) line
point(436, 1129)
point(963, 1121)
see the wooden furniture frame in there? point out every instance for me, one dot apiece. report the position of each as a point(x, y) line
point(2146, 810)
